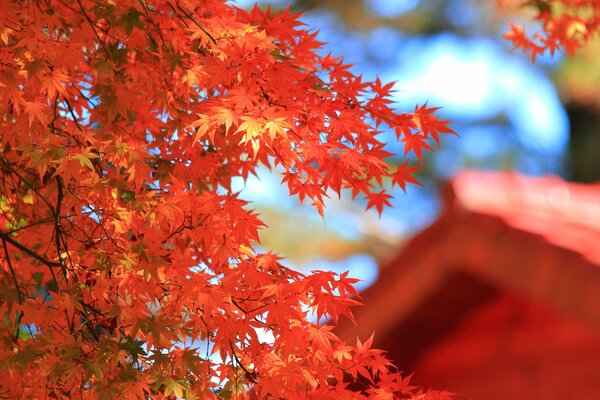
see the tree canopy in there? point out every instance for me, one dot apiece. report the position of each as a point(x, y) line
point(130, 268)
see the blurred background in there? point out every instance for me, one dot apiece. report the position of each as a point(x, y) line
point(535, 120)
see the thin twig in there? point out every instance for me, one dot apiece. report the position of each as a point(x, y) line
point(251, 376)
point(152, 22)
point(29, 185)
point(191, 17)
point(94, 161)
point(43, 221)
point(91, 23)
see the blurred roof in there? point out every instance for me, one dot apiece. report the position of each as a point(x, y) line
point(536, 237)
point(564, 214)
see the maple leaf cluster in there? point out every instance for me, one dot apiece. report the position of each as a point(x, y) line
point(565, 25)
point(129, 267)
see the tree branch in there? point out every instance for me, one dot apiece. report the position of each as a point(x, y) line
point(5, 237)
point(57, 228)
point(17, 288)
point(12, 271)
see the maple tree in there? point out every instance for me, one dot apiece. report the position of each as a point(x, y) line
point(129, 267)
point(129, 264)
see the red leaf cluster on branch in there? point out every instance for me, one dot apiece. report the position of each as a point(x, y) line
point(565, 25)
point(128, 263)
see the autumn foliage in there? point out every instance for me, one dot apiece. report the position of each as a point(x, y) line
point(565, 25)
point(129, 267)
